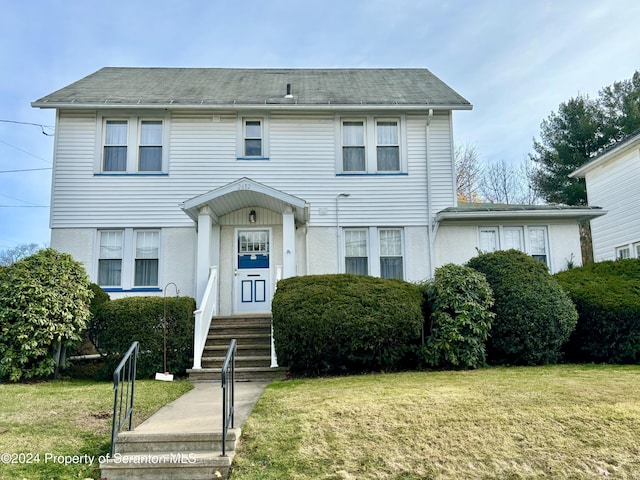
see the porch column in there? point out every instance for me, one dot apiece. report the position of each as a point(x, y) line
point(288, 244)
point(203, 260)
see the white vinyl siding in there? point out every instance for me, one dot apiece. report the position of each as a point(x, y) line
point(614, 187)
point(203, 148)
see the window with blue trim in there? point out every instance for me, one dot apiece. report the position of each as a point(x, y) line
point(371, 146)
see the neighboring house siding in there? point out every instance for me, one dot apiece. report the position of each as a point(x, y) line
point(614, 187)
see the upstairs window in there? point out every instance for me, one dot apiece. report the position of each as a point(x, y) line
point(252, 138)
point(387, 146)
point(132, 145)
point(150, 150)
point(115, 146)
point(110, 261)
point(353, 150)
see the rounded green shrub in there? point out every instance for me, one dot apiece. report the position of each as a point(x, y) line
point(534, 315)
point(120, 322)
point(607, 297)
point(44, 306)
point(458, 317)
point(345, 323)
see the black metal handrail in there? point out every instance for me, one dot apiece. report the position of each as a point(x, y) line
point(227, 376)
point(124, 383)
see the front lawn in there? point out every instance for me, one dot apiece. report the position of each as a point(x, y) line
point(41, 423)
point(556, 422)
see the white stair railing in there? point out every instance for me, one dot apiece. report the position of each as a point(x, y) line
point(274, 358)
point(208, 309)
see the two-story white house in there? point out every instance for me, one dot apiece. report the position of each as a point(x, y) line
point(222, 181)
point(613, 182)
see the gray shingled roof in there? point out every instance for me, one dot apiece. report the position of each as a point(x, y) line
point(115, 86)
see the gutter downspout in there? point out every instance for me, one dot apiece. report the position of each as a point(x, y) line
point(429, 202)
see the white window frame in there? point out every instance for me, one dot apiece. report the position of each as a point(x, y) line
point(141, 145)
point(525, 232)
point(623, 252)
point(136, 234)
point(240, 136)
point(402, 249)
point(134, 128)
point(370, 126)
point(100, 257)
point(636, 249)
point(496, 236)
point(344, 145)
point(377, 121)
point(367, 247)
point(128, 267)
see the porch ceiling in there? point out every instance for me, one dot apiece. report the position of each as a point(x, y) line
point(244, 193)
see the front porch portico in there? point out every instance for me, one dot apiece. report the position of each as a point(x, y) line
point(232, 222)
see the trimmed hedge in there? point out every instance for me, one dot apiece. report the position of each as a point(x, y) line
point(118, 323)
point(345, 323)
point(534, 315)
point(458, 318)
point(607, 297)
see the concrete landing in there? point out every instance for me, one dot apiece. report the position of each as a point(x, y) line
point(200, 410)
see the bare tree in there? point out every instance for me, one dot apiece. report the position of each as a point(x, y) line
point(503, 182)
point(468, 172)
point(12, 255)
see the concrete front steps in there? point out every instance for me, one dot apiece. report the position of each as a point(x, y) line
point(171, 456)
point(253, 355)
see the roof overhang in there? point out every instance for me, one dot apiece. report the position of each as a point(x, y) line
point(251, 106)
point(633, 141)
point(244, 193)
point(516, 213)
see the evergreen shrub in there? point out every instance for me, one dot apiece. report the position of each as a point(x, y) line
point(607, 297)
point(44, 307)
point(345, 323)
point(120, 322)
point(534, 315)
point(458, 317)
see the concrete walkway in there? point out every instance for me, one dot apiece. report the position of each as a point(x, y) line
point(200, 410)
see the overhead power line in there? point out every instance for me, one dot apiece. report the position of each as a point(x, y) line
point(42, 127)
point(25, 170)
point(24, 151)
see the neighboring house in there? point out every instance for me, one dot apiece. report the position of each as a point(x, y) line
point(613, 182)
point(167, 174)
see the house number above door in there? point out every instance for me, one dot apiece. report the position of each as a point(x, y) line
point(244, 186)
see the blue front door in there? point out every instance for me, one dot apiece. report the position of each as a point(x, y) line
point(252, 272)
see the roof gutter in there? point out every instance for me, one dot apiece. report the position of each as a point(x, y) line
point(248, 106)
point(605, 157)
point(585, 214)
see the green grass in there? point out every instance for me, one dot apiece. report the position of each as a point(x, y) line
point(558, 422)
point(66, 418)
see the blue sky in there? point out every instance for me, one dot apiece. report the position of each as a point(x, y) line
point(515, 61)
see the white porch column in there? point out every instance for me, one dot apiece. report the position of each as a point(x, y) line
point(288, 244)
point(203, 260)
